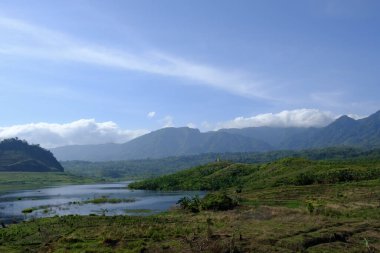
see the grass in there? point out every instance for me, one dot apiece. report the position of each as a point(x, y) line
point(28, 210)
point(339, 216)
point(10, 181)
point(284, 172)
point(104, 199)
point(268, 225)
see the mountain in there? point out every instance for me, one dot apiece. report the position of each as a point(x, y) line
point(163, 143)
point(17, 155)
point(277, 137)
point(344, 131)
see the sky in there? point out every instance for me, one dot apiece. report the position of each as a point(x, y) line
point(94, 71)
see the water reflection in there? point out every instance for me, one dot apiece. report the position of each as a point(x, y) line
point(71, 199)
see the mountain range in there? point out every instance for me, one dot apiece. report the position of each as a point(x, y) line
point(344, 131)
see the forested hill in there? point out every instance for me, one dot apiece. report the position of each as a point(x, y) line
point(18, 155)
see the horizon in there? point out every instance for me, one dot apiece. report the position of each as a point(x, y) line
point(91, 72)
point(189, 127)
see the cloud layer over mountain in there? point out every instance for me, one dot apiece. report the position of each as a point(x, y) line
point(293, 118)
point(83, 131)
point(88, 131)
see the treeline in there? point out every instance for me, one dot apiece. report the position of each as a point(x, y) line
point(147, 168)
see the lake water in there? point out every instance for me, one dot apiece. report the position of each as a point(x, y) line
point(71, 199)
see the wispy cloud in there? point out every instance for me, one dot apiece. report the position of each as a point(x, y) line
point(191, 125)
point(24, 39)
point(151, 114)
point(80, 132)
point(293, 118)
point(167, 121)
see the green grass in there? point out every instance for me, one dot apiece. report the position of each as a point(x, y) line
point(32, 180)
point(28, 210)
point(288, 171)
point(326, 216)
point(278, 221)
point(104, 199)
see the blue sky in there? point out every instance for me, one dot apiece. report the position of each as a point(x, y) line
point(206, 64)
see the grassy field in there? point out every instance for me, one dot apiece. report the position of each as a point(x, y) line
point(32, 180)
point(345, 217)
point(323, 216)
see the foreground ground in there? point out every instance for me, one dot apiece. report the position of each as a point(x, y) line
point(342, 217)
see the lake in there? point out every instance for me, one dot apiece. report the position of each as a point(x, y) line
point(76, 199)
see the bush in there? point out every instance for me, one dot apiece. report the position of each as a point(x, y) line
point(304, 179)
point(193, 204)
point(218, 202)
point(212, 201)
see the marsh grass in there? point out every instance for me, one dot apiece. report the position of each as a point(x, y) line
point(106, 200)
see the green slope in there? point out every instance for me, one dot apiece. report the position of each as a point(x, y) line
point(288, 171)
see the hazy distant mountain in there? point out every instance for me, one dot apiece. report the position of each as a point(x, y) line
point(277, 137)
point(166, 142)
point(17, 155)
point(162, 143)
point(347, 131)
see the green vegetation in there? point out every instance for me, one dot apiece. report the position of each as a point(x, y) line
point(287, 171)
point(348, 219)
point(291, 205)
point(148, 168)
point(28, 210)
point(104, 199)
point(218, 202)
point(18, 155)
point(212, 201)
point(32, 209)
point(33, 180)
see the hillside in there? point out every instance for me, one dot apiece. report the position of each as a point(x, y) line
point(287, 171)
point(166, 142)
point(146, 168)
point(17, 155)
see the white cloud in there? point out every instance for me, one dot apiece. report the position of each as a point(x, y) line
point(151, 114)
point(206, 125)
point(84, 131)
point(191, 125)
point(167, 121)
point(21, 38)
point(356, 116)
point(294, 118)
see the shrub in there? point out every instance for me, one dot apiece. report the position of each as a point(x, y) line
point(218, 202)
point(304, 179)
point(212, 201)
point(193, 204)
